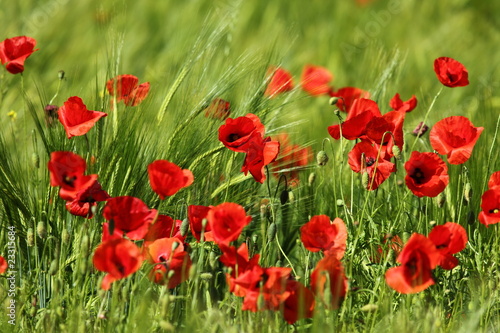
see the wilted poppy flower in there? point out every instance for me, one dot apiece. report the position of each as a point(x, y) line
point(164, 227)
point(166, 178)
point(329, 269)
point(347, 95)
point(129, 215)
point(236, 133)
point(75, 117)
point(126, 88)
point(51, 114)
point(365, 158)
point(494, 180)
point(280, 82)
point(315, 80)
point(65, 169)
point(85, 199)
point(218, 109)
point(449, 238)
point(260, 152)
point(291, 156)
point(14, 51)
point(119, 258)
point(196, 215)
point(421, 129)
point(172, 262)
point(426, 174)
point(450, 72)
point(398, 105)
point(269, 292)
point(490, 205)
point(418, 258)
point(227, 220)
point(320, 234)
point(299, 304)
point(3, 265)
point(455, 137)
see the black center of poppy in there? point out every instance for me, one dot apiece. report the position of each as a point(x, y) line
point(418, 176)
point(370, 161)
point(233, 137)
point(494, 211)
point(69, 180)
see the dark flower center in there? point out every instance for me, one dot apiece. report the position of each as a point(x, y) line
point(370, 161)
point(233, 137)
point(69, 180)
point(418, 176)
point(494, 211)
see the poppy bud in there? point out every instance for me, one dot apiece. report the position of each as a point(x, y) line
point(41, 230)
point(85, 246)
point(420, 129)
point(212, 260)
point(291, 196)
point(255, 238)
point(467, 192)
point(271, 232)
point(184, 227)
point(365, 179)
point(30, 237)
point(322, 158)
point(312, 178)
point(440, 199)
point(432, 222)
point(61, 74)
point(396, 152)
point(284, 197)
point(340, 202)
point(35, 159)
point(206, 276)
point(333, 100)
point(65, 236)
point(54, 266)
point(369, 308)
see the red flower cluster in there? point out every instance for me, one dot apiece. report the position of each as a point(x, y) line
point(80, 191)
point(14, 52)
point(126, 88)
point(490, 201)
point(166, 178)
point(76, 118)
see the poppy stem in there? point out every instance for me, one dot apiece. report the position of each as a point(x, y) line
point(427, 115)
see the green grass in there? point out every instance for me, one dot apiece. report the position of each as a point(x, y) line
point(191, 52)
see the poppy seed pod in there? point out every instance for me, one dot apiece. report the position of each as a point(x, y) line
point(41, 230)
point(396, 152)
point(61, 74)
point(322, 158)
point(467, 192)
point(333, 100)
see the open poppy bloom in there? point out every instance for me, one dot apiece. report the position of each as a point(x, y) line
point(280, 82)
point(260, 152)
point(329, 269)
point(65, 169)
point(3, 265)
point(119, 258)
point(269, 292)
point(320, 234)
point(126, 88)
point(450, 72)
point(75, 117)
point(426, 174)
point(172, 263)
point(218, 109)
point(347, 96)
point(291, 156)
point(86, 198)
point(449, 238)
point(227, 220)
point(196, 215)
point(490, 205)
point(418, 258)
point(236, 133)
point(455, 137)
point(315, 80)
point(387, 131)
point(399, 105)
point(14, 52)
point(299, 304)
point(129, 215)
point(166, 178)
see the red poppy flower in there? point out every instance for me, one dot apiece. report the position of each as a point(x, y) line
point(291, 156)
point(66, 168)
point(426, 174)
point(494, 180)
point(379, 131)
point(3, 265)
point(172, 262)
point(196, 214)
point(299, 304)
point(14, 51)
point(319, 234)
point(347, 95)
point(391, 243)
point(227, 220)
point(329, 269)
point(455, 137)
point(280, 82)
point(449, 238)
point(85, 198)
point(315, 80)
point(450, 72)
point(164, 227)
point(166, 178)
point(260, 152)
point(490, 205)
point(107, 235)
point(129, 215)
point(218, 109)
point(119, 258)
point(365, 158)
point(269, 293)
point(126, 88)
point(418, 258)
point(398, 105)
point(236, 133)
point(75, 117)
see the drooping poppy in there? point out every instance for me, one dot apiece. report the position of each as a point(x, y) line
point(3, 265)
point(450, 72)
point(426, 174)
point(321, 234)
point(129, 215)
point(86, 198)
point(347, 96)
point(119, 258)
point(299, 304)
point(166, 178)
point(236, 133)
point(315, 80)
point(455, 137)
point(218, 109)
point(65, 169)
point(329, 269)
point(76, 118)
point(14, 52)
point(172, 262)
point(281, 81)
point(490, 205)
point(292, 157)
point(126, 88)
point(418, 258)
point(398, 104)
point(260, 152)
point(196, 215)
point(269, 293)
point(449, 238)
point(227, 220)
